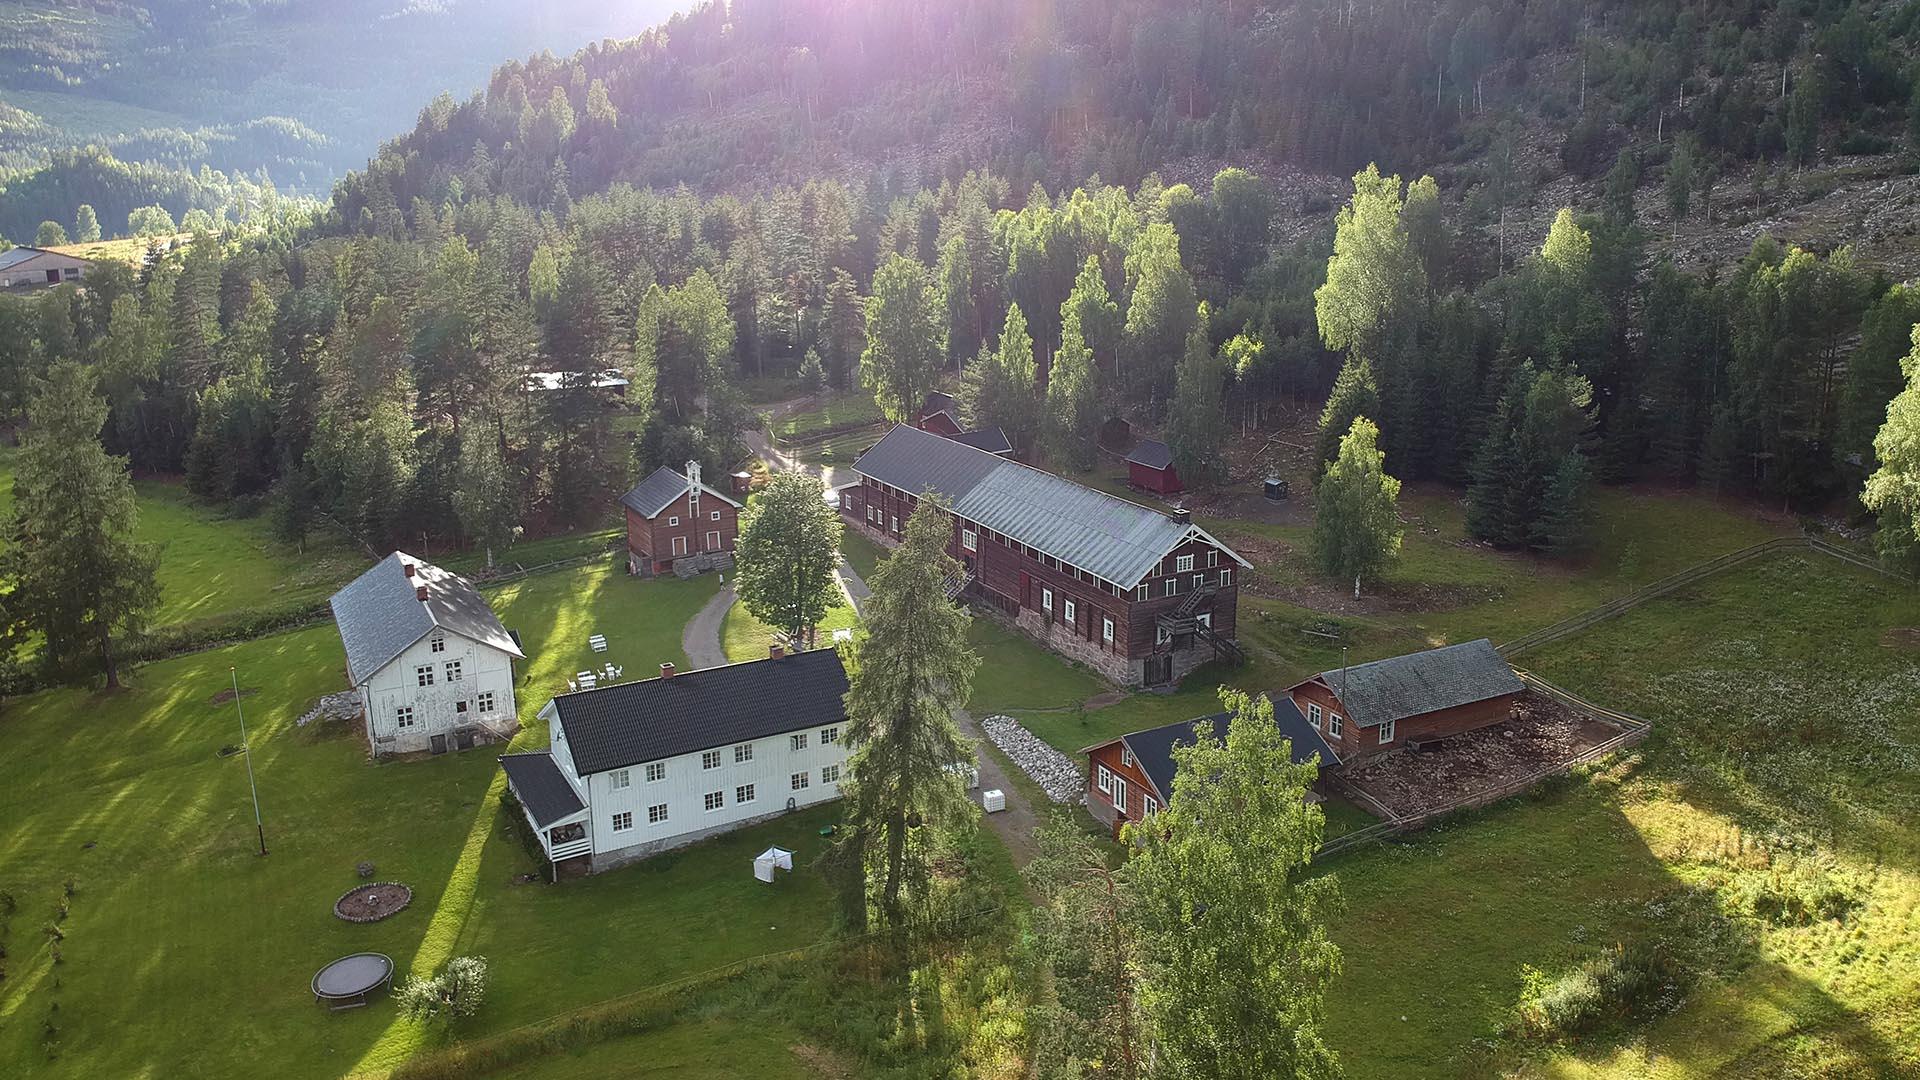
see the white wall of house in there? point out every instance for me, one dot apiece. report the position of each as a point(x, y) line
point(685, 783)
point(34, 270)
point(484, 686)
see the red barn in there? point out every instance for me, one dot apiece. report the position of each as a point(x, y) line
point(1369, 709)
point(1133, 775)
point(1150, 468)
point(1139, 595)
point(677, 524)
point(939, 414)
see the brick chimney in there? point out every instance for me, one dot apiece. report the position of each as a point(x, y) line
point(409, 568)
point(666, 670)
point(776, 650)
point(420, 593)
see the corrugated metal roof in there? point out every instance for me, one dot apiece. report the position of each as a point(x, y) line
point(1109, 537)
point(625, 724)
point(380, 614)
point(1422, 682)
point(15, 256)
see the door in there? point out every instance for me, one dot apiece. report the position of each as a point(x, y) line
point(713, 540)
point(463, 739)
point(1159, 669)
point(439, 744)
point(1120, 795)
point(679, 546)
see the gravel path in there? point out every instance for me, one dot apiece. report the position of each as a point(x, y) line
point(701, 638)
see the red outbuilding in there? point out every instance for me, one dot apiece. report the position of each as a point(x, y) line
point(1369, 709)
point(939, 414)
point(1150, 468)
point(677, 524)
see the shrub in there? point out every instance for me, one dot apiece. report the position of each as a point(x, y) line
point(1612, 985)
point(1796, 893)
point(456, 992)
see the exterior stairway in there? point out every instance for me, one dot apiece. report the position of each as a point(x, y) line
point(957, 583)
point(1183, 619)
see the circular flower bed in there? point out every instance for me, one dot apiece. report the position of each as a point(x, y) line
point(371, 903)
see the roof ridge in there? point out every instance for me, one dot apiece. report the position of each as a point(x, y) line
point(678, 674)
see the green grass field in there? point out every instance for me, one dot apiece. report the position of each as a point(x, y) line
point(835, 411)
point(177, 928)
point(747, 638)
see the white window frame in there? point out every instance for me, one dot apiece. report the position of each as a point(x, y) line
point(1313, 715)
point(743, 753)
point(1119, 796)
point(800, 780)
point(620, 779)
point(797, 740)
point(656, 771)
point(1182, 563)
point(454, 671)
point(715, 516)
point(969, 540)
point(829, 736)
point(1046, 600)
point(1199, 580)
point(1142, 591)
point(709, 759)
point(438, 644)
point(678, 546)
point(744, 793)
point(1149, 806)
point(1106, 629)
point(1335, 724)
point(713, 539)
point(403, 717)
point(1126, 756)
point(1386, 732)
point(623, 821)
point(830, 774)
point(1068, 610)
point(423, 675)
point(714, 801)
point(893, 522)
point(1213, 557)
point(486, 701)
point(656, 813)
point(673, 522)
point(1226, 576)
point(1173, 587)
point(1161, 635)
point(461, 707)
point(1103, 779)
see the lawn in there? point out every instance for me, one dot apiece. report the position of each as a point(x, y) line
point(704, 1050)
point(1788, 715)
point(745, 637)
point(839, 411)
point(177, 928)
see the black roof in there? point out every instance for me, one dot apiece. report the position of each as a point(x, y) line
point(1422, 682)
point(991, 439)
point(543, 789)
point(1151, 453)
point(628, 723)
point(937, 402)
point(1153, 748)
point(380, 613)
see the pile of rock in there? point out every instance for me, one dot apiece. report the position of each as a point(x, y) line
point(1056, 773)
point(344, 705)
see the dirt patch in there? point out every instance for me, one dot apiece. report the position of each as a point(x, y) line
point(371, 903)
point(1101, 701)
point(1904, 638)
point(822, 1063)
point(227, 695)
point(1541, 734)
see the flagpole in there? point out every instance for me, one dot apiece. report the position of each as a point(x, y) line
point(245, 748)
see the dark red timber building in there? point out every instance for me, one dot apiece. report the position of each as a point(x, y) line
point(1140, 596)
point(1370, 709)
point(1133, 775)
point(1150, 468)
point(676, 524)
point(939, 414)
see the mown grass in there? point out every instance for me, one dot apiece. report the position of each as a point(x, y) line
point(831, 413)
point(717, 1049)
point(745, 637)
point(186, 953)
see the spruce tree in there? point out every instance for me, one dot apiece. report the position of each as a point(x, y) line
point(1354, 395)
point(1197, 426)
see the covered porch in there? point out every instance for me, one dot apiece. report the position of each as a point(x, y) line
point(552, 806)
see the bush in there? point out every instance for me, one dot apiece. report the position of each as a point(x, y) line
point(456, 992)
point(1614, 985)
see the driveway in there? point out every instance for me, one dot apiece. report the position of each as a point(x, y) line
point(701, 638)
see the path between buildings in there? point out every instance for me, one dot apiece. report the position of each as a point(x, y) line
point(701, 638)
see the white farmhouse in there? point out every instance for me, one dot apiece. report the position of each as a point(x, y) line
point(433, 666)
point(637, 768)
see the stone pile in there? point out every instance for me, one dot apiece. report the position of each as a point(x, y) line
point(1056, 773)
point(344, 705)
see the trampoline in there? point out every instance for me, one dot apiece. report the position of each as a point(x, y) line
point(345, 983)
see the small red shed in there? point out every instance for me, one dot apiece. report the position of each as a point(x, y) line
point(939, 414)
point(1150, 467)
point(1370, 709)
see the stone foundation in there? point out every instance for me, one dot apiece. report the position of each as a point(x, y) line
point(601, 862)
point(687, 566)
point(1055, 635)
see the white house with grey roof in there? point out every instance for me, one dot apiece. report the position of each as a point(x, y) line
point(637, 768)
point(432, 664)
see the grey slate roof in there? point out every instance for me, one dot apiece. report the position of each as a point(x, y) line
point(1151, 453)
point(1153, 748)
point(1422, 682)
point(543, 789)
point(1116, 540)
point(991, 439)
point(379, 615)
point(657, 492)
point(625, 724)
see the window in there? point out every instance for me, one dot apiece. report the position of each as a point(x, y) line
point(1126, 755)
point(460, 707)
point(873, 516)
point(829, 774)
point(1046, 600)
point(656, 771)
point(438, 644)
point(1148, 804)
point(800, 780)
point(1333, 724)
point(1106, 630)
point(893, 522)
point(1103, 779)
point(715, 516)
point(453, 671)
point(969, 540)
point(620, 778)
point(743, 753)
point(403, 717)
point(1199, 580)
point(743, 793)
point(673, 522)
point(1313, 715)
point(1140, 592)
point(1386, 733)
point(1068, 611)
point(424, 674)
point(1182, 564)
point(486, 701)
point(1173, 586)
point(1161, 635)
point(623, 821)
point(829, 736)
point(656, 813)
point(799, 741)
point(710, 759)
point(714, 800)
point(1226, 577)
point(1213, 557)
